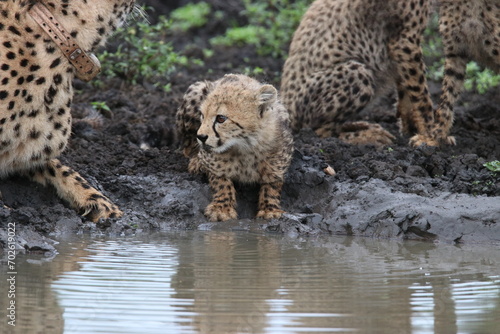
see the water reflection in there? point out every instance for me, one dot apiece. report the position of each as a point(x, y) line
point(224, 282)
point(37, 307)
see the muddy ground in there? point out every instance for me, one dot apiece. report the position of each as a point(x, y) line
point(440, 195)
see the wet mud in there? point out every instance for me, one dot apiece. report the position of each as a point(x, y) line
point(131, 154)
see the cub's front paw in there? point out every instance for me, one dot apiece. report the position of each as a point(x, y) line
point(270, 214)
point(99, 206)
point(220, 212)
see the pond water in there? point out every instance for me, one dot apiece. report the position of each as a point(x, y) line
point(232, 282)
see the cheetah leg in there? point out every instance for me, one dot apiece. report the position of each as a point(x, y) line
point(73, 188)
point(453, 82)
point(269, 200)
point(223, 205)
point(340, 94)
point(414, 104)
point(415, 107)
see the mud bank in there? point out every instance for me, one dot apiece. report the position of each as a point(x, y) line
point(400, 208)
point(439, 195)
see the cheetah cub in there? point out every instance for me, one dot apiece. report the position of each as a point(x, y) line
point(235, 129)
point(43, 46)
point(347, 52)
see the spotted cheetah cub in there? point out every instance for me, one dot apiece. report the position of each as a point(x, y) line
point(347, 52)
point(43, 46)
point(235, 129)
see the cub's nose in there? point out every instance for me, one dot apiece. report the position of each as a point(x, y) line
point(202, 138)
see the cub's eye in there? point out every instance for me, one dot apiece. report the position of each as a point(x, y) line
point(220, 118)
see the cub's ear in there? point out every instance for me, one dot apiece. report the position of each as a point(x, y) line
point(267, 95)
point(209, 87)
point(230, 78)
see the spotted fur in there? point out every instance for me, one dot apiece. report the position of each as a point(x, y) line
point(470, 30)
point(347, 52)
point(36, 93)
point(235, 129)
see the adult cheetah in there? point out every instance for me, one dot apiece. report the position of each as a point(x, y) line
point(346, 52)
point(43, 45)
point(236, 129)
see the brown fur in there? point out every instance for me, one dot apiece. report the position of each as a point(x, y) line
point(346, 52)
point(36, 94)
point(243, 136)
point(470, 30)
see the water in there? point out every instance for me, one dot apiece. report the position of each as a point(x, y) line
point(224, 282)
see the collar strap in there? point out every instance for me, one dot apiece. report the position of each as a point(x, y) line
point(87, 65)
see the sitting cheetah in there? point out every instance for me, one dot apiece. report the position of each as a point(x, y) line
point(346, 52)
point(44, 44)
point(243, 135)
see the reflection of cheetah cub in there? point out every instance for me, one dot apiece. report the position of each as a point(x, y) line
point(344, 53)
point(43, 46)
point(243, 136)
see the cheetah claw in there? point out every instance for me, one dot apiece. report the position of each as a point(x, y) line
point(104, 210)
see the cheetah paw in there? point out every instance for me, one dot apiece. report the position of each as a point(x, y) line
point(217, 212)
point(419, 140)
point(270, 214)
point(362, 133)
point(100, 207)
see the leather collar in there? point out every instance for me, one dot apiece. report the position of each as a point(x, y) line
point(87, 66)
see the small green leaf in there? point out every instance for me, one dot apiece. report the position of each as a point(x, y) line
point(493, 166)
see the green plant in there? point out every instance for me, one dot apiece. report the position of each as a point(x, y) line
point(480, 79)
point(271, 25)
point(240, 36)
point(482, 187)
point(435, 71)
point(143, 54)
point(208, 53)
point(493, 166)
point(193, 15)
point(100, 105)
point(253, 71)
point(433, 45)
point(477, 78)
